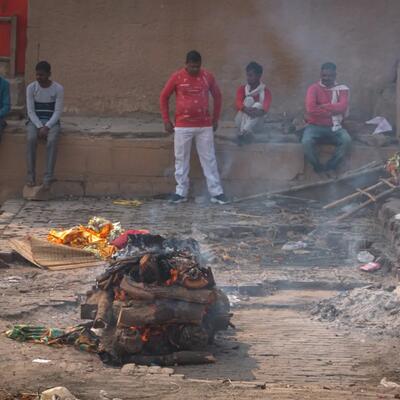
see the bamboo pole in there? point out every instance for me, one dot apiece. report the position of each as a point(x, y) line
point(367, 203)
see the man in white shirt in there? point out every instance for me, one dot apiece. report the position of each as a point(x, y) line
point(45, 101)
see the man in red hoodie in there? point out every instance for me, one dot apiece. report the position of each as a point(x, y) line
point(192, 86)
point(327, 103)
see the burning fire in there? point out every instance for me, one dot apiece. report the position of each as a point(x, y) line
point(119, 294)
point(174, 274)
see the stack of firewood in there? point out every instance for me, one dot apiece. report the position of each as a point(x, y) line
point(159, 305)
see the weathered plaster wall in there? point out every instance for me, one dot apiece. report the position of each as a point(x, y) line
point(113, 57)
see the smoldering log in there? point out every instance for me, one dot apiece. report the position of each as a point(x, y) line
point(139, 291)
point(160, 312)
point(127, 341)
point(177, 358)
point(104, 310)
point(89, 308)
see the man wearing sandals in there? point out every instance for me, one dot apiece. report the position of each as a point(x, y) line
point(44, 100)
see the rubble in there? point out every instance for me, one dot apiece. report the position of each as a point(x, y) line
point(373, 309)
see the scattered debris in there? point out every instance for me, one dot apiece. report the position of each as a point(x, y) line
point(57, 393)
point(370, 267)
point(128, 203)
point(365, 257)
point(374, 309)
point(389, 384)
point(52, 256)
point(294, 246)
point(41, 361)
point(382, 125)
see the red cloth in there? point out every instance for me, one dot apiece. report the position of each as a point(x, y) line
point(241, 94)
point(319, 108)
point(121, 241)
point(192, 94)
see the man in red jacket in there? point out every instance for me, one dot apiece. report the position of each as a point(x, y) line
point(192, 86)
point(327, 103)
point(252, 102)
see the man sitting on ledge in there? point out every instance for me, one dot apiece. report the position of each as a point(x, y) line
point(326, 105)
point(44, 101)
point(4, 103)
point(252, 102)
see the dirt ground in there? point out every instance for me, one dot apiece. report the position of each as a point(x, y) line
point(279, 350)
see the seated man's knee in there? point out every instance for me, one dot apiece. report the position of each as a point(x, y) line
point(345, 139)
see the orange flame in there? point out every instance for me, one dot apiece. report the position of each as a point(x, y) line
point(174, 274)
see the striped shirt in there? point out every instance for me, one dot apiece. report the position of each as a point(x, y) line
point(44, 105)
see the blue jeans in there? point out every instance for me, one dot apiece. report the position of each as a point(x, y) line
point(51, 151)
point(314, 135)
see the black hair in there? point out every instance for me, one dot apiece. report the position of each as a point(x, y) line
point(329, 65)
point(43, 66)
point(256, 67)
point(193, 56)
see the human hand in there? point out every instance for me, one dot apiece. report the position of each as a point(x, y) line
point(257, 113)
point(169, 127)
point(43, 132)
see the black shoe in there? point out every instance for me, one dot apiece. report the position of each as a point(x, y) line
point(220, 199)
point(176, 199)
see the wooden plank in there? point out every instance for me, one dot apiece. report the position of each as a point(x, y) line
point(380, 196)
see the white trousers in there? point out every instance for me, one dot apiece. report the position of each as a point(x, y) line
point(247, 124)
point(204, 138)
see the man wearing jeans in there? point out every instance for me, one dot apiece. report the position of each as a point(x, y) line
point(44, 100)
point(192, 86)
point(4, 103)
point(327, 104)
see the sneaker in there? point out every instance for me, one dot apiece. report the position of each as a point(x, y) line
point(220, 199)
point(176, 199)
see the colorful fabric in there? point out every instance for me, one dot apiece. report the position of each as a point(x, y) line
point(95, 237)
point(121, 241)
point(80, 336)
point(192, 95)
point(393, 165)
point(319, 105)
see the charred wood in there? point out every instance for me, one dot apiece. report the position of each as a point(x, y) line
point(139, 291)
point(160, 312)
point(177, 358)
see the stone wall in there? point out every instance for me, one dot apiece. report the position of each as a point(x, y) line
point(114, 57)
point(122, 165)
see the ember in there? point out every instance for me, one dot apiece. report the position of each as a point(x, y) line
point(157, 303)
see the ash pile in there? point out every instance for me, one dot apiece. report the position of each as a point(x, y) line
point(157, 304)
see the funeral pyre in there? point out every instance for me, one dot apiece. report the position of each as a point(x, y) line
point(157, 303)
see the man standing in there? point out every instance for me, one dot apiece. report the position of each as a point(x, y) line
point(4, 103)
point(327, 104)
point(252, 102)
point(44, 100)
point(192, 86)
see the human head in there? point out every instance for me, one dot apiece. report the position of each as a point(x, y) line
point(253, 73)
point(328, 74)
point(193, 62)
point(43, 71)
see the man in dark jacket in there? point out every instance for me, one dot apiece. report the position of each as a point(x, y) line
point(4, 103)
